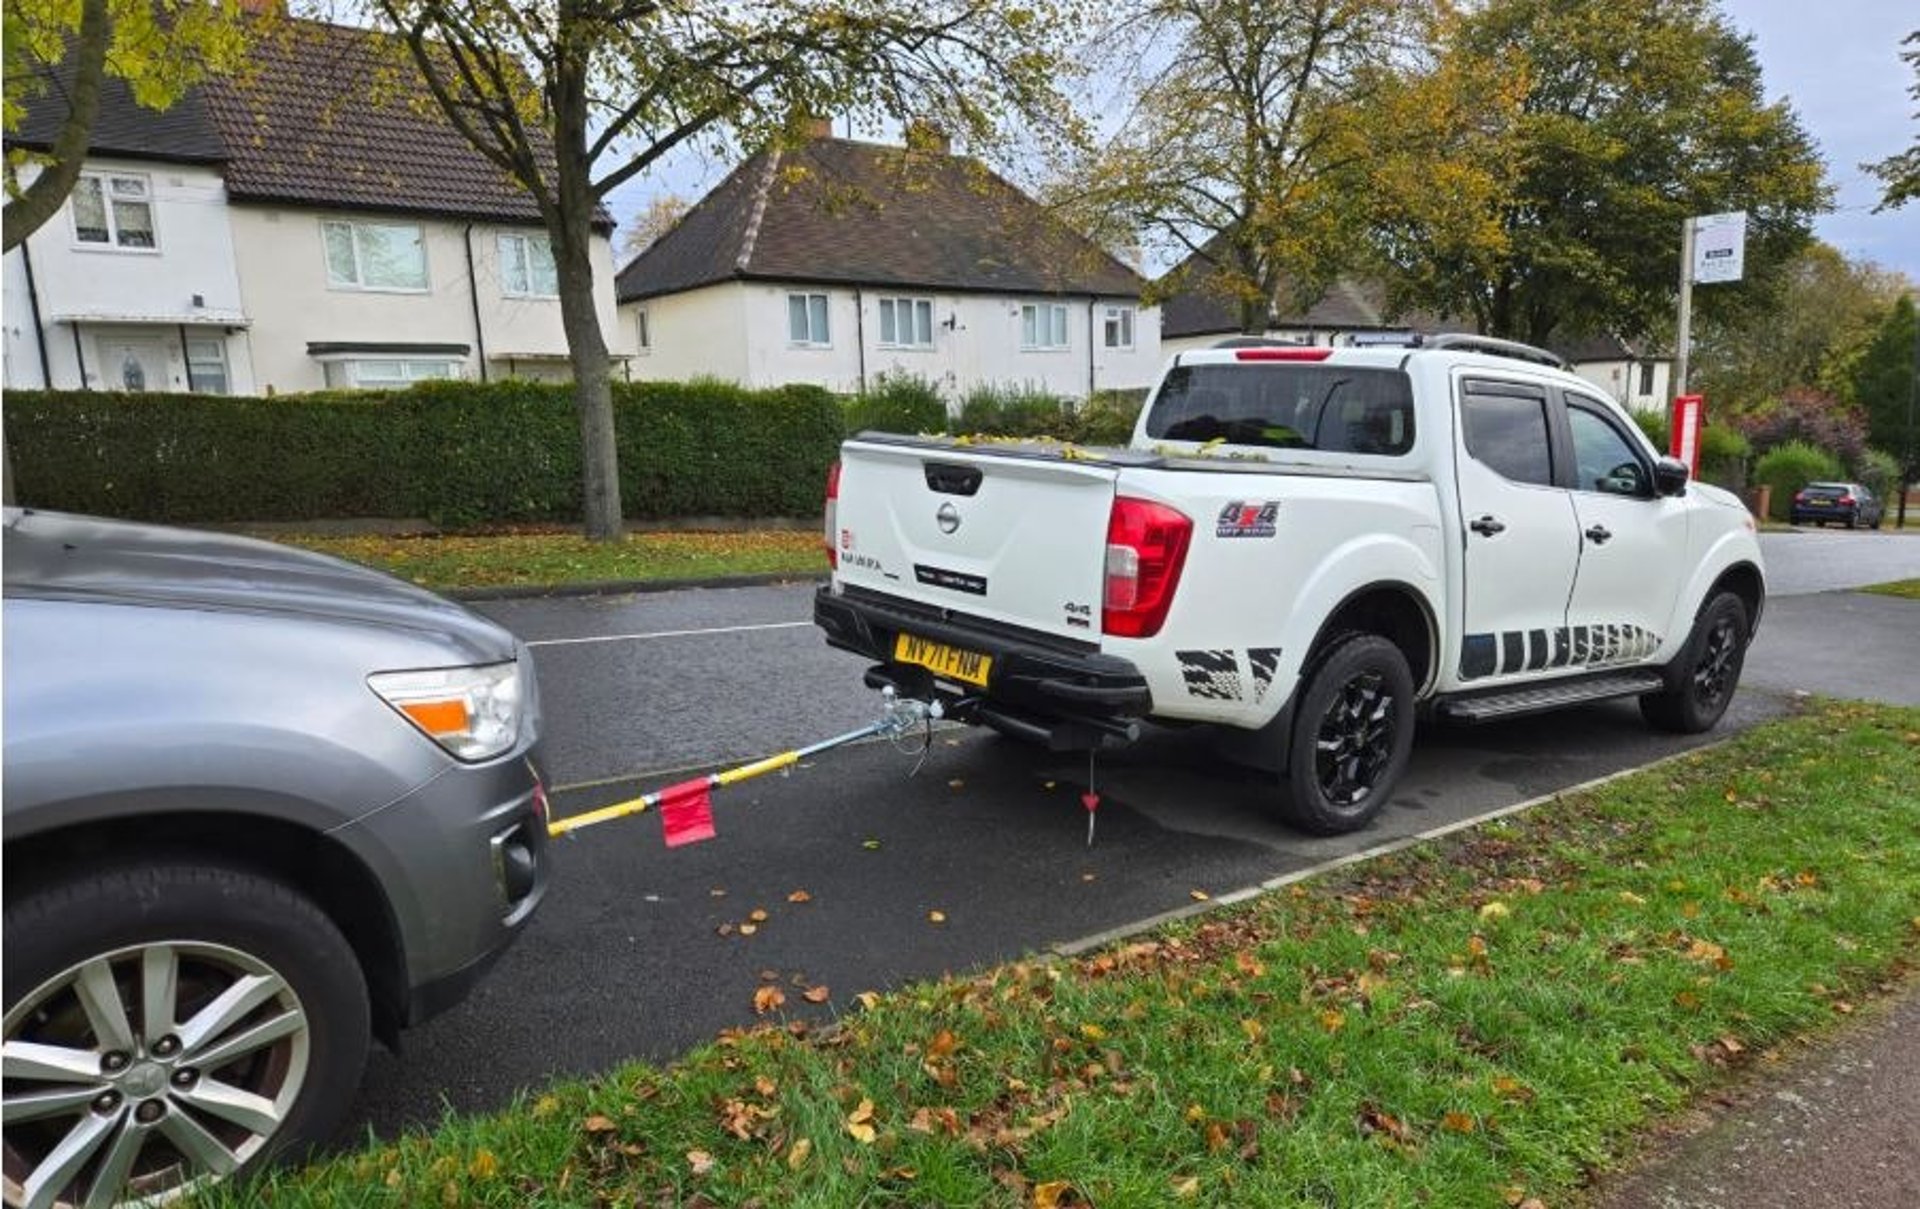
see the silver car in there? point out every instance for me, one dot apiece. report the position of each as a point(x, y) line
point(261, 806)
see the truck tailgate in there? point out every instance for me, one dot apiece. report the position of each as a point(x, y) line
point(997, 535)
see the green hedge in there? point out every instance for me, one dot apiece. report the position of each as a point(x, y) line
point(455, 453)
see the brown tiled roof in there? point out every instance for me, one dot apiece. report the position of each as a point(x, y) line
point(1200, 306)
point(337, 116)
point(836, 211)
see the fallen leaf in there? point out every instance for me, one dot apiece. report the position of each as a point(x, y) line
point(860, 1123)
point(546, 1106)
point(936, 917)
point(484, 1165)
point(1186, 1188)
point(797, 1155)
point(767, 999)
point(1195, 1114)
point(1216, 1137)
point(1093, 1032)
point(1495, 910)
point(699, 1162)
point(1628, 896)
point(816, 994)
point(725, 929)
point(764, 1085)
point(717, 892)
point(1687, 1000)
point(1047, 1195)
point(758, 915)
point(1199, 896)
point(943, 1044)
point(1253, 1029)
point(799, 896)
point(870, 845)
point(1458, 1122)
point(956, 783)
point(598, 1124)
point(1087, 877)
point(749, 929)
point(868, 1000)
point(1332, 1021)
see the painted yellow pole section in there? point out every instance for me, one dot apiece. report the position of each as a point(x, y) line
point(619, 810)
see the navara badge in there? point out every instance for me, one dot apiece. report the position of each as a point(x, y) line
point(948, 518)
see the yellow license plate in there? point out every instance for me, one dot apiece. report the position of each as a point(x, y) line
point(947, 662)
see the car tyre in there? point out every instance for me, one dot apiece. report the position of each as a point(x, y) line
point(1707, 671)
point(1351, 735)
point(258, 1036)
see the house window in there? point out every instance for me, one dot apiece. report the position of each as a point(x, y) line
point(526, 267)
point(207, 367)
point(1119, 327)
point(375, 256)
point(1043, 326)
point(906, 323)
point(645, 329)
point(807, 320)
point(374, 373)
point(1646, 378)
point(114, 211)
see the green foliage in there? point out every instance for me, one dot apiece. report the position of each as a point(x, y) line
point(1109, 416)
point(1723, 455)
point(456, 453)
point(1901, 173)
point(1880, 471)
point(1015, 411)
point(1658, 426)
point(904, 403)
point(1883, 384)
point(1789, 467)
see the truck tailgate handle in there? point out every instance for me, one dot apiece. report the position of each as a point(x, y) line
point(949, 479)
point(1487, 526)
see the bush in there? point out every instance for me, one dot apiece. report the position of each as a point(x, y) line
point(1723, 456)
point(1658, 426)
point(1790, 466)
point(1814, 419)
point(1880, 472)
point(1108, 417)
point(457, 453)
point(1014, 411)
point(903, 403)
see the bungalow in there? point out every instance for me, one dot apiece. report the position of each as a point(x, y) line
point(837, 262)
point(310, 222)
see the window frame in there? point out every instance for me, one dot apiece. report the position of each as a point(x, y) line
point(813, 340)
point(643, 331)
point(1126, 316)
point(1556, 439)
point(1567, 473)
point(1041, 343)
point(359, 286)
point(219, 346)
point(350, 368)
point(890, 307)
point(103, 179)
point(527, 243)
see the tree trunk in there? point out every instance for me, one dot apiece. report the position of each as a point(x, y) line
point(573, 260)
point(43, 198)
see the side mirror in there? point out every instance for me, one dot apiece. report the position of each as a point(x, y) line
point(1670, 477)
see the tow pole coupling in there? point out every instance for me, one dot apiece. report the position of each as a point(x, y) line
point(686, 809)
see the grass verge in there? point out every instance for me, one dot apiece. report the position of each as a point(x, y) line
point(1907, 588)
point(1476, 1022)
point(559, 559)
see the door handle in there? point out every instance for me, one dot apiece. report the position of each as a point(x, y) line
point(1487, 526)
point(1599, 535)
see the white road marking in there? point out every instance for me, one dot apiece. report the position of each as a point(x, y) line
point(654, 634)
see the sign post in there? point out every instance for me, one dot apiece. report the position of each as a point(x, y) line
point(1713, 249)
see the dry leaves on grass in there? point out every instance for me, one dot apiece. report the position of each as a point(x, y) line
point(766, 999)
point(860, 1123)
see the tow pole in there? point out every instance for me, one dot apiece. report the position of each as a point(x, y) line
point(686, 807)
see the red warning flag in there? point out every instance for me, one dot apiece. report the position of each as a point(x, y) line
point(686, 810)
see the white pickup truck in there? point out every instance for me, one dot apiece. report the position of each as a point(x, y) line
point(1305, 547)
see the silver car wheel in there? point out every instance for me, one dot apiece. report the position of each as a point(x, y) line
point(138, 1074)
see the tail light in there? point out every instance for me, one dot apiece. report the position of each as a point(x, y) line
point(1282, 354)
point(1799, 497)
point(833, 515)
point(1846, 501)
point(1146, 550)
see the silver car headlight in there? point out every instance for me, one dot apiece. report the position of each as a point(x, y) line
point(473, 712)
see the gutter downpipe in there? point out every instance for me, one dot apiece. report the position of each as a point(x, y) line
point(473, 296)
point(1093, 304)
point(860, 334)
point(39, 329)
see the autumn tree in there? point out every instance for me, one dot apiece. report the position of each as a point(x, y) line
point(1264, 136)
point(651, 223)
point(65, 50)
point(1901, 173)
point(574, 98)
point(1636, 114)
point(1806, 334)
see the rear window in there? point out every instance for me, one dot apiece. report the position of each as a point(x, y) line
point(1833, 489)
point(1338, 409)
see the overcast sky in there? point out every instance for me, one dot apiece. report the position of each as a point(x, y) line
point(1837, 61)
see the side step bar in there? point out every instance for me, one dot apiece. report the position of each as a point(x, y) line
point(1537, 699)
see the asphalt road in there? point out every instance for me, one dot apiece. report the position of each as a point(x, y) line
point(625, 960)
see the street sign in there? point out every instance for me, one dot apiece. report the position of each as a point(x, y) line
point(1719, 247)
point(1689, 412)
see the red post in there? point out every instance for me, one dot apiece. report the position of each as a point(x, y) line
point(1689, 413)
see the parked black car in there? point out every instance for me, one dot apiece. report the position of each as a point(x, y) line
point(1837, 503)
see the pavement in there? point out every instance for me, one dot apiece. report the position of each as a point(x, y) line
point(626, 958)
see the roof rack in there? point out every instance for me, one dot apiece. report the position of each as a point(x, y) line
point(1463, 342)
point(1257, 342)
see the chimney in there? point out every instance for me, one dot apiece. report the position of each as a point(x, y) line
point(923, 135)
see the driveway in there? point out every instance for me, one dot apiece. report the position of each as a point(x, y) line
point(626, 958)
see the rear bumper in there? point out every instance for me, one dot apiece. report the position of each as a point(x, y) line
point(1065, 695)
point(1801, 516)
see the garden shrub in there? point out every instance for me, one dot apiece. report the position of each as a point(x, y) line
point(1788, 467)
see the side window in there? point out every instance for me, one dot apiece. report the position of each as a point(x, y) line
point(1603, 459)
point(1509, 434)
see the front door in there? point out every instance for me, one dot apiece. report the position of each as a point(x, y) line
point(1518, 526)
point(1633, 543)
point(133, 364)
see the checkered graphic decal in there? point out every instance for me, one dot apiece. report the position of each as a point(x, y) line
point(1584, 646)
point(1264, 661)
point(1214, 675)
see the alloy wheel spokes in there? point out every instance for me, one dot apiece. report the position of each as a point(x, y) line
point(64, 1161)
